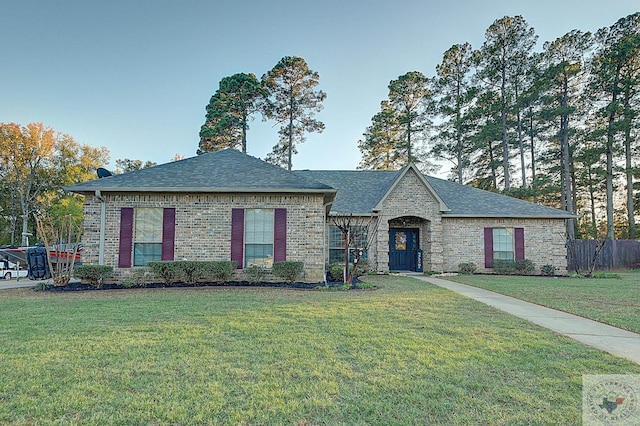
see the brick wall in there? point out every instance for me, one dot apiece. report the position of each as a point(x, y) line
point(410, 198)
point(203, 226)
point(464, 241)
point(447, 242)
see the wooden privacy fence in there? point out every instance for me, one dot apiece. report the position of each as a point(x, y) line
point(616, 254)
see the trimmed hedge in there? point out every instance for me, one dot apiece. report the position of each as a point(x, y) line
point(191, 271)
point(255, 274)
point(513, 267)
point(95, 274)
point(467, 268)
point(288, 270)
point(221, 270)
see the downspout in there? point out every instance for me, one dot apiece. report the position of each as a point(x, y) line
point(325, 242)
point(103, 224)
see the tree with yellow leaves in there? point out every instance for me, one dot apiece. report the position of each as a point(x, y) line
point(35, 161)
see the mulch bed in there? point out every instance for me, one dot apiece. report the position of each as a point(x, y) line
point(78, 286)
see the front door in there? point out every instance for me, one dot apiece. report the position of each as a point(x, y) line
point(403, 249)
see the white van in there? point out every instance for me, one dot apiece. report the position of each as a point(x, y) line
point(13, 271)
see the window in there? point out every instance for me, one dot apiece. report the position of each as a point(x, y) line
point(146, 234)
point(147, 239)
point(358, 237)
point(503, 243)
point(336, 245)
point(258, 237)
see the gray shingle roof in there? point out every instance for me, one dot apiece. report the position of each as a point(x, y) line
point(222, 171)
point(467, 201)
point(360, 190)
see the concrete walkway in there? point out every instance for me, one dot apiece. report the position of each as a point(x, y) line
point(618, 342)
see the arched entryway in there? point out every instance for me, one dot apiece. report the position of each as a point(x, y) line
point(404, 243)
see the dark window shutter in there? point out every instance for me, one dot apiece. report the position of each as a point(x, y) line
point(280, 235)
point(168, 233)
point(237, 236)
point(488, 247)
point(519, 243)
point(125, 245)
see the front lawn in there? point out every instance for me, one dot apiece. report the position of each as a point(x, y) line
point(612, 301)
point(409, 353)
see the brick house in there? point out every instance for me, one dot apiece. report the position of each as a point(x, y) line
point(228, 205)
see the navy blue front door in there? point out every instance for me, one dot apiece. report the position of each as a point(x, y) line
point(403, 249)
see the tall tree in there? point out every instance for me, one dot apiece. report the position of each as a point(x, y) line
point(523, 85)
point(381, 142)
point(294, 100)
point(72, 163)
point(410, 95)
point(35, 163)
point(591, 177)
point(229, 111)
point(485, 139)
point(617, 51)
point(531, 105)
point(455, 97)
point(630, 80)
point(565, 60)
point(507, 42)
point(27, 157)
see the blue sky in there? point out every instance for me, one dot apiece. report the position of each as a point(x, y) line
point(135, 76)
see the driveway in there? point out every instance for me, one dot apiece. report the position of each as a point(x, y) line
point(14, 283)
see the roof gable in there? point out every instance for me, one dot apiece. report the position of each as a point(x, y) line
point(411, 168)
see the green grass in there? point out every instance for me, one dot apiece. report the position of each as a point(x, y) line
point(611, 301)
point(409, 353)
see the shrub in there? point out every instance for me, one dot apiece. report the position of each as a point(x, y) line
point(191, 271)
point(220, 270)
point(503, 267)
point(255, 274)
point(288, 270)
point(467, 268)
point(512, 267)
point(361, 267)
point(548, 270)
point(41, 286)
point(600, 274)
point(96, 275)
point(524, 267)
point(167, 270)
point(365, 286)
point(336, 271)
point(137, 278)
